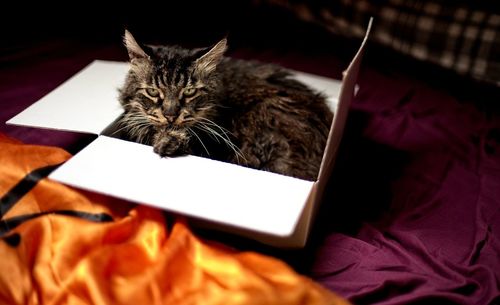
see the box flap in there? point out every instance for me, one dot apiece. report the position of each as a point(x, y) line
point(347, 92)
point(87, 102)
point(234, 195)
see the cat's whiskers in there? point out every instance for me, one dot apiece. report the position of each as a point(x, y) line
point(136, 125)
point(216, 135)
point(224, 130)
point(139, 131)
point(209, 131)
point(124, 123)
point(191, 131)
point(226, 138)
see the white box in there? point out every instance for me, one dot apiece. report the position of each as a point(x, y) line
point(272, 208)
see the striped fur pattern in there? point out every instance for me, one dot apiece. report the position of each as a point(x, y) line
point(199, 102)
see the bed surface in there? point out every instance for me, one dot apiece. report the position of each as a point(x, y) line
point(412, 214)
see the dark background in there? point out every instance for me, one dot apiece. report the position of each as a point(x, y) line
point(255, 29)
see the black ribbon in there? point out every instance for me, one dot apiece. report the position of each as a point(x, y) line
point(11, 223)
point(24, 186)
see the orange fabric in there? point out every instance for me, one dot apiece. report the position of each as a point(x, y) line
point(130, 260)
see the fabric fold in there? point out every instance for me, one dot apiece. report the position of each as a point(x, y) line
point(131, 258)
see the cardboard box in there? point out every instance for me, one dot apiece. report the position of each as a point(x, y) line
point(272, 208)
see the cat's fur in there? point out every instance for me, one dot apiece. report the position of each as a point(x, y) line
point(199, 102)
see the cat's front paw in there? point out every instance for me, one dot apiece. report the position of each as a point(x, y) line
point(170, 146)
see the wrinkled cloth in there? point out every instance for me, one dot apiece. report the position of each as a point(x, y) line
point(127, 257)
point(437, 238)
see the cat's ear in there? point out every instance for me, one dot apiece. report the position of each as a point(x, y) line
point(209, 60)
point(134, 49)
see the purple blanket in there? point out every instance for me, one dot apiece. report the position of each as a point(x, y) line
point(413, 215)
point(438, 239)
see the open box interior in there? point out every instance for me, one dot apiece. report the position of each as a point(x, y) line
point(272, 208)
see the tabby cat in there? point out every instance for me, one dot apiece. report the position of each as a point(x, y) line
point(199, 102)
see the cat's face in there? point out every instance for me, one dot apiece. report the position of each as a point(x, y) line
point(168, 98)
point(167, 94)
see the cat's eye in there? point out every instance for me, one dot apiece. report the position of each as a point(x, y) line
point(190, 91)
point(152, 92)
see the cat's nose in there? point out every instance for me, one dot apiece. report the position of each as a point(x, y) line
point(171, 112)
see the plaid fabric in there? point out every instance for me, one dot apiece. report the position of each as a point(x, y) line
point(456, 35)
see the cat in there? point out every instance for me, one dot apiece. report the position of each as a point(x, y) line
point(197, 101)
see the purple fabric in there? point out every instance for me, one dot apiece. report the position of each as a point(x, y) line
point(439, 240)
point(418, 170)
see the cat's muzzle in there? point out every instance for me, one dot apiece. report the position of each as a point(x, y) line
point(171, 143)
